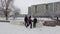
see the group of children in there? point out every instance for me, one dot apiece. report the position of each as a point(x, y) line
point(29, 21)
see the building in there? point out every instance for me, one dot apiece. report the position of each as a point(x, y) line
point(45, 10)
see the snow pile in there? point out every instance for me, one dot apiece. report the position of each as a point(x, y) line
point(17, 22)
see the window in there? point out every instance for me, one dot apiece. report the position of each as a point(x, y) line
point(35, 8)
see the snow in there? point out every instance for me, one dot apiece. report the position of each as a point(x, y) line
point(17, 27)
point(7, 28)
point(22, 18)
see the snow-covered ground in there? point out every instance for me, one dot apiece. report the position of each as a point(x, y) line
point(7, 28)
point(22, 18)
point(17, 27)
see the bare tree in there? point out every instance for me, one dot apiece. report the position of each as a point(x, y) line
point(16, 13)
point(5, 4)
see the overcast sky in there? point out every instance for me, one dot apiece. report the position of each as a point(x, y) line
point(24, 4)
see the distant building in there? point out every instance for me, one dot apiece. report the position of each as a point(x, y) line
point(45, 10)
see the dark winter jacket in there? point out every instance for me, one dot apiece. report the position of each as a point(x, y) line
point(26, 19)
point(35, 20)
